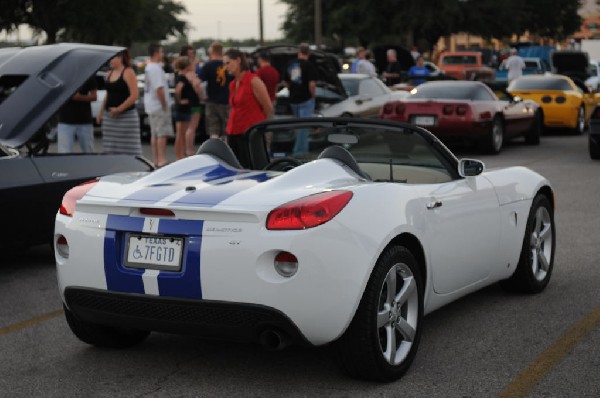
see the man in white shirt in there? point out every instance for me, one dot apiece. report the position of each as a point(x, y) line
point(515, 65)
point(157, 104)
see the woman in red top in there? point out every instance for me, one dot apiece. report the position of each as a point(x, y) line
point(249, 102)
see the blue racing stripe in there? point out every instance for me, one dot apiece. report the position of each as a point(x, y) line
point(157, 192)
point(212, 195)
point(186, 283)
point(119, 278)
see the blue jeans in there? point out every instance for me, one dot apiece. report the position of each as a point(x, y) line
point(66, 134)
point(303, 109)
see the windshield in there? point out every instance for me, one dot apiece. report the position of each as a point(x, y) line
point(351, 86)
point(547, 83)
point(449, 91)
point(459, 60)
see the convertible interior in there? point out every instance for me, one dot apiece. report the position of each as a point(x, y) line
point(371, 151)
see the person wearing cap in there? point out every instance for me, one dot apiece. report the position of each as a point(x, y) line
point(515, 65)
point(301, 79)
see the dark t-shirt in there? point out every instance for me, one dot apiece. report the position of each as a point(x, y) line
point(393, 67)
point(79, 112)
point(188, 93)
point(298, 74)
point(217, 81)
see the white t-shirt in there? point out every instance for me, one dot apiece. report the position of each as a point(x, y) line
point(515, 66)
point(155, 77)
point(366, 67)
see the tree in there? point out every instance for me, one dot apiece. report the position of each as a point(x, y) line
point(99, 22)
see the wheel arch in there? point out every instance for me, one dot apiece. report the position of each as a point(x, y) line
point(412, 243)
point(548, 193)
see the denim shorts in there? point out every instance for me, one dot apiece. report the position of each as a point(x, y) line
point(182, 116)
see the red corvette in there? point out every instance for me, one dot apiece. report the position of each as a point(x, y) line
point(470, 110)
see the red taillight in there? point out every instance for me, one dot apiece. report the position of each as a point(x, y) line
point(308, 212)
point(400, 108)
point(156, 212)
point(448, 109)
point(67, 206)
point(461, 110)
point(387, 109)
point(485, 115)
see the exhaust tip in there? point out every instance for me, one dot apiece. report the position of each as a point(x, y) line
point(273, 339)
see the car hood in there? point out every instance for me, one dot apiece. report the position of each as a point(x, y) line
point(36, 81)
point(570, 62)
point(327, 65)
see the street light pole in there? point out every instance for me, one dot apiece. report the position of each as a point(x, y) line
point(260, 22)
point(318, 23)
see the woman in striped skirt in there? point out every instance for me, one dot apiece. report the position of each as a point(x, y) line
point(118, 115)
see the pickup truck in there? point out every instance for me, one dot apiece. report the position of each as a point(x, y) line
point(465, 65)
point(533, 66)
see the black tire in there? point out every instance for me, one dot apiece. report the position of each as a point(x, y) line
point(594, 146)
point(532, 137)
point(580, 126)
point(536, 261)
point(383, 319)
point(103, 336)
point(493, 141)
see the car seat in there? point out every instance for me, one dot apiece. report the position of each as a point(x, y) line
point(220, 150)
point(342, 155)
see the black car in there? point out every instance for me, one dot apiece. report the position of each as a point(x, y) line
point(34, 83)
point(329, 87)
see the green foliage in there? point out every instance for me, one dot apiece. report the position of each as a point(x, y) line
point(367, 22)
point(98, 22)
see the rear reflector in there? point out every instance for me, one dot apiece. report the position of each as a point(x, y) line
point(308, 212)
point(156, 212)
point(286, 264)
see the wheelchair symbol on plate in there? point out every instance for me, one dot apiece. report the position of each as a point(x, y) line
point(137, 253)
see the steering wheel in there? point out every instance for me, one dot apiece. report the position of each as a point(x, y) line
point(282, 164)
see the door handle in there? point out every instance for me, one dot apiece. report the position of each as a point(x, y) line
point(434, 205)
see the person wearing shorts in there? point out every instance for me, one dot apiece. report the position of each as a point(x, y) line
point(215, 75)
point(157, 105)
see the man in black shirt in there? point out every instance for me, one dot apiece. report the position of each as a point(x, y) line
point(75, 119)
point(392, 72)
point(301, 80)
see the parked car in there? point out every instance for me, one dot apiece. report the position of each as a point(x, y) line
point(566, 103)
point(329, 87)
point(468, 111)
point(594, 134)
point(533, 66)
point(465, 65)
point(34, 83)
point(593, 82)
point(365, 95)
point(212, 247)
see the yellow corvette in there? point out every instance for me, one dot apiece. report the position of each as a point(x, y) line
point(564, 103)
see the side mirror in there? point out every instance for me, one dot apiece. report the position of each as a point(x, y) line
point(470, 167)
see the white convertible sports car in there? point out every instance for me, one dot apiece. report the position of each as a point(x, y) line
point(378, 225)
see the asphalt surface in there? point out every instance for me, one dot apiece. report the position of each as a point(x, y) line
point(488, 344)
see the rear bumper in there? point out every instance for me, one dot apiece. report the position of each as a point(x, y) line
point(560, 115)
point(206, 318)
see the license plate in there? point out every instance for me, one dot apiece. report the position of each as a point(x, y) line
point(154, 252)
point(424, 120)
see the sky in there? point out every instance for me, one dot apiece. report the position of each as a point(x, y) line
point(236, 19)
point(218, 19)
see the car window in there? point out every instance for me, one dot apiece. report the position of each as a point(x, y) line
point(532, 65)
point(459, 60)
point(593, 70)
point(370, 87)
point(546, 83)
point(446, 91)
point(351, 86)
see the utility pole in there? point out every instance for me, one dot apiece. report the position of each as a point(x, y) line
point(318, 22)
point(260, 22)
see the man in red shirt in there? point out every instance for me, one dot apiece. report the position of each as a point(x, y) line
point(268, 74)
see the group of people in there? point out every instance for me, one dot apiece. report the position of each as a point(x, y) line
point(234, 98)
point(393, 71)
